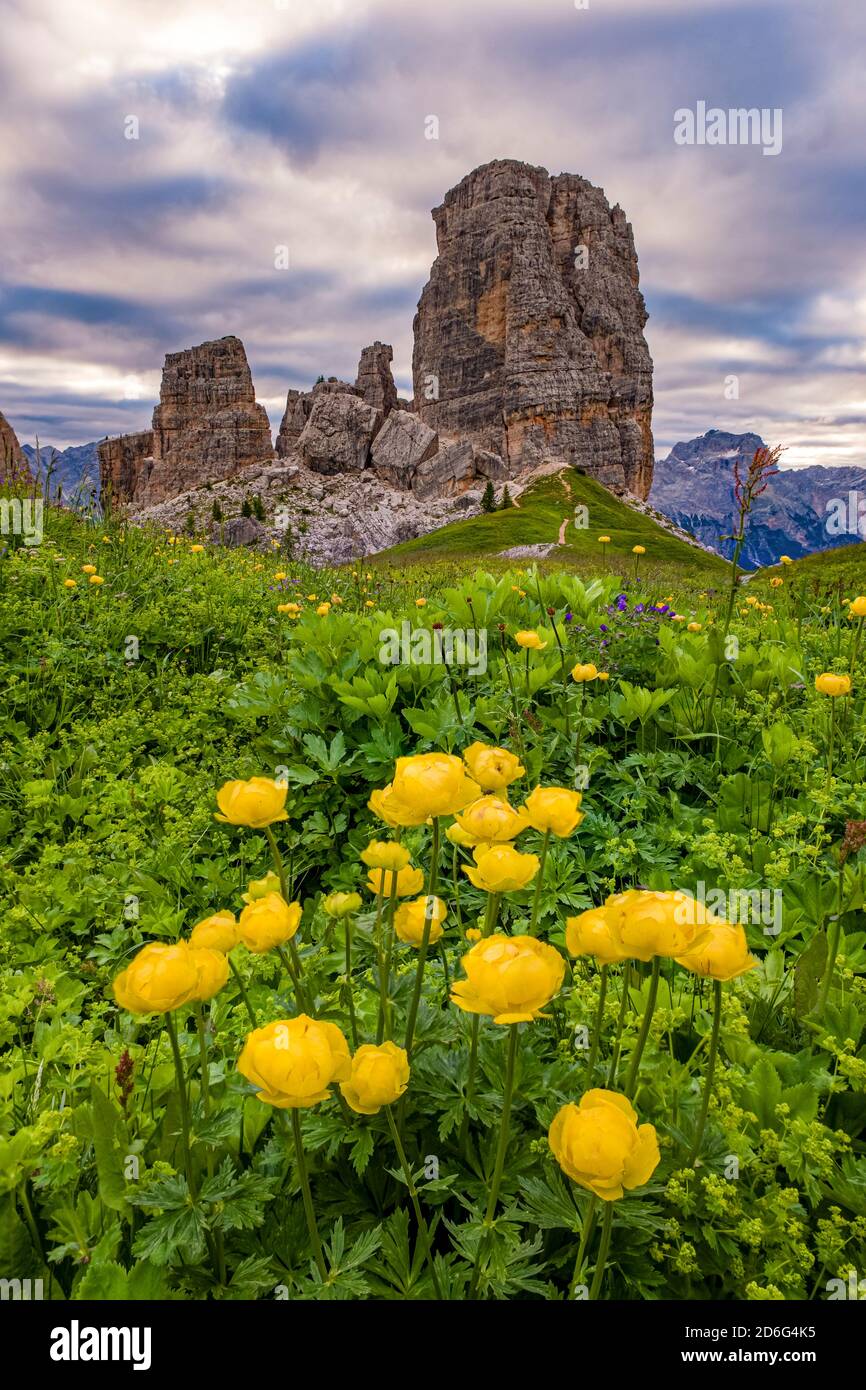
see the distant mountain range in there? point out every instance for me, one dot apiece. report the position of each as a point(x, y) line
point(801, 511)
point(74, 470)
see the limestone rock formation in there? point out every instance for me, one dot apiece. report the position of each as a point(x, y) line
point(529, 333)
point(13, 462)
point(374, 381)
point(403, 443)
point(455, 466)
point(338, 434)
point(125, 464)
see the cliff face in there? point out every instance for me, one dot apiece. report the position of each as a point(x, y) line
point(13, 462)
point(125, 464)
point(524, 343)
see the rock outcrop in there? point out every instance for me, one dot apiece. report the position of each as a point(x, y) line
point(338, 434)
point(402, 445)
point(208, 425)
point(374, 381)
point(125, 465)
point(529, 333)
point(13, 462)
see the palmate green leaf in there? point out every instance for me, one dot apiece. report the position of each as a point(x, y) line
point(549, 1204)
point(235, 1201)
point(361, 1150)
point(173, 1235)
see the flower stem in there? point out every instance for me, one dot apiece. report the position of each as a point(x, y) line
point(711, 1067)
point(423, 1229)
point(586, 1231)
point(244, 996)
point(425, 940)
point(599, 1023)
point(306, 1194)
point(184, 1105)
point(620, 1024)
point(350, 998)
point(501, 1150)
point(538, 882)
point(634, 1065)
point(604, 1246)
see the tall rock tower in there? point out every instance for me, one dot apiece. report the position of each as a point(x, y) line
point(529, 333)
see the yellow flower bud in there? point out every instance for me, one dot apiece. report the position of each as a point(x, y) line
point(584, 672)
point(293, 1061)
point(721, 954)
point(385, 854)
point(342, 904)
point(491, 820)
point(638, 550)
point(219, 932)
point(261, 887)
point(857, 607)
point(589, 934)
point(501, 869)
point(530, 640)
point(158, 980)
point(409, 881)
point(255, 803)
point(410, 920)
point(379, 1076)
point(432, 784)
point(695, 627)
point(268, 922)
point(511, 978)
point(554, 809)
point(830, 684)
point(600, 1145)
point(492, 768)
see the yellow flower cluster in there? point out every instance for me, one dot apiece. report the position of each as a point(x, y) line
point(639, 924)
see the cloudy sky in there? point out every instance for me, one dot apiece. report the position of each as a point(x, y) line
point(302, 123)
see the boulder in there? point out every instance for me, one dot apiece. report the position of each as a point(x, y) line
point(339, 432)
point(403, 444)
point(239, 530)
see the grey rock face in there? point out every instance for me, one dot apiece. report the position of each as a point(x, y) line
point(453, 467)
point(528, 345)
point(374, 381)
point(240, 530)
point(338, 433)
point(402, 445)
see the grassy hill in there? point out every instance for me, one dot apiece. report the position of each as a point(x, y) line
point(538, 518)
point(844, 567)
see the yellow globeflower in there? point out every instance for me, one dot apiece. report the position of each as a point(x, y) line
point(293, 1061)
point(293, 609)
point(604, 675)
point(385, 854)
point(457, 835)
point(600, 1145)
point(261, 887)
point(492, 768)
point(501, 869)
point(280, 574)
point(604, 540)
point(490, 820)
point(342, 904)
point(638, 550)
point(511, 978)
point(196, 549)
point(219, 932)
point(379, 1076)
point(420, 603)
point(830, 684)
point(434, 784)
point(323, 610)
point(857, 607)
point(695, 627)
point(213, 971)
point(776, 582)
point(96, 579)
point(646, 924)
point(389, 809)
point(584, 671)
point(530, 640)
point(410, 919)
point(785, 560)
point(589, 934)
point(254, 803)
point(554, 810)
point(88, 569)
point(70, 584)
point(721, 954)
point(159, 979)
point(368, 603)
point(268, 922)
point(409, 881)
